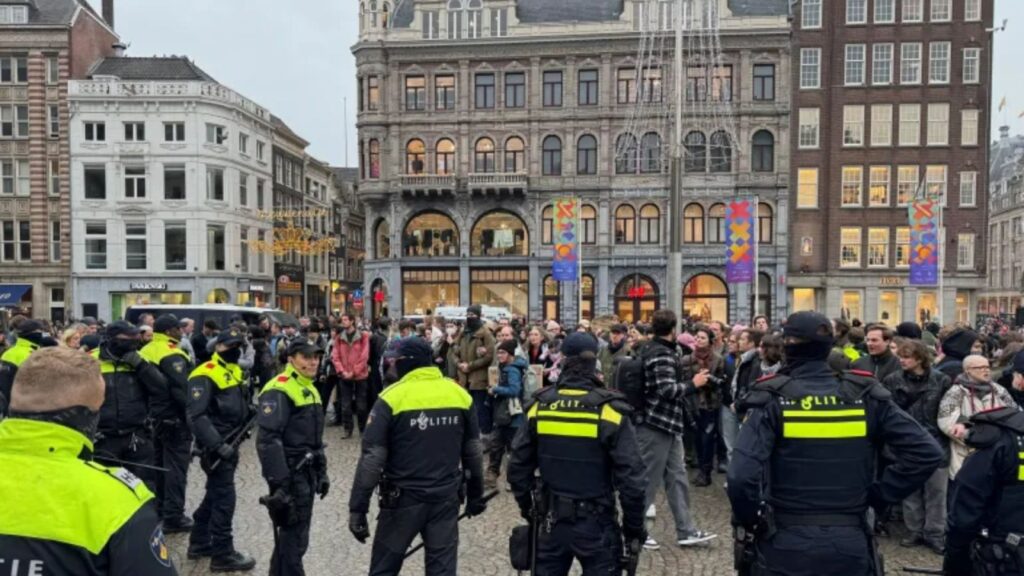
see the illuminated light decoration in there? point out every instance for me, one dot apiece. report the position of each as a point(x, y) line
point(294, 240)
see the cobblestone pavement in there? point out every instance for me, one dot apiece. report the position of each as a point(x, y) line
point(483, 550)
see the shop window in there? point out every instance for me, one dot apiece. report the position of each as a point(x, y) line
point(706, 298)
point(587, 303)
point(501, 288)
point(804, 299)
point(852, 305)
point(500, 234)
point(218, 296)
point(430, 234)
point(552, 299)
point(636, 299)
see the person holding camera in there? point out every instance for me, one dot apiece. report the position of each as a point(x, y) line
point(706, 364)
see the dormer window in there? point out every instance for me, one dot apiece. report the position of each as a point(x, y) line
point(13, 14)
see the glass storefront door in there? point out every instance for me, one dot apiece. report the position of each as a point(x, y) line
point(423, 291)
point(501, 288)
point(889, 307)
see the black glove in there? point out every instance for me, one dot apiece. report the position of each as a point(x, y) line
point(525, 508)
point(634, 538)
point(132, 359)
point(279, 504)
point(358, 526)
point(475, 507)
point(226, 452)
point(323, 486)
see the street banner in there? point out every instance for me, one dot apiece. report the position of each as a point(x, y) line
point(565, 267)
point(924, 242)
point(740, 241)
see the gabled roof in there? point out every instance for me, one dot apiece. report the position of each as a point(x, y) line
point(168, 68)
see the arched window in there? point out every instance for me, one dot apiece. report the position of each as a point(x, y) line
point(415, 153)
point(551, 159)
point(483, 156)
point(696, 152)
point(586, 155)
point(384, 22)
point(650, 224)
point(706, 298)
point(765, 223)
point(721, 152)
point(693, 224)
point(636, 299)
point(587, 310)
point(474, 22)
point(454, 19)
point(625, 154)
point(650, 153)
point(552, 299)
point(373, 13)
point(445, 157)
point(382, 239)
point(515, 155)
point(547, 225)
point(763, 152)
point(499, 233)
point(625, 224)
point(374, 159)
point(430, 234)
point(716, 224)
point(588, 220)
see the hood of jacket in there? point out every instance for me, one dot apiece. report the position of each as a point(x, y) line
point(958, 344)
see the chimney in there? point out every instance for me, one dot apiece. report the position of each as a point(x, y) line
point(119, 49)
point(1004, 132)
point(108, 12)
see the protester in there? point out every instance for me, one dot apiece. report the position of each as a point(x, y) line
point(507, 398)
point(880, 361)
point(706, 360)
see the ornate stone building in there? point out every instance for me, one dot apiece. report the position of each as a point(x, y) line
point(476, 115)
point(1005, 291)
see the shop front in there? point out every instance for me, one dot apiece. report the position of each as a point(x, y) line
point(424, 290)
point(507, 288)
point(253, 293)
point(317, 298)
point(636, 299)
point(378, 299)
point(16, 298)
point(290, 281)
point(140, 293)
point(706, 298)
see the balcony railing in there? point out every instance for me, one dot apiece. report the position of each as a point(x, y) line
point(497, 181)
point(428, 181)
point(154, 89)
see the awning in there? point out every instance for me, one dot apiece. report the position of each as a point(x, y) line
point(11, 294)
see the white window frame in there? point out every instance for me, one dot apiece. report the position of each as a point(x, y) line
point(809, 118)
point(801, 183)
point(972, 66)
point(216, 134)
point(892, 11)
point(852, 236)
point(14, 121)
point(856, 12)
point(876, 239)
point(853, 127)
point(10, 63)
point(92, 130)
point(972, 10)
point(969, 119)
point(133, 176)
point(938, 124)
point(15, 174)
point(175, 225)
point(53, 120)
point(261, 150)
point(968, 189)
point(913, 11)
point(939, 55)
point(946, 14)
point(854, 64)
point(936, 187)
point(910, 62)
point(852, 176)
point(211, 172)
point(96, 236)
point(136, 236)
point(53, 177)
point(965, 247)
point(806, 64)
point(52, 69)
point(55, 235)
point(881, 64)
point(177, 131)
point(874, 179)
point(904, 182)
point(810, 14)
point(244, 252)
point(910, 125)
point(881, 125)
point(134, 131)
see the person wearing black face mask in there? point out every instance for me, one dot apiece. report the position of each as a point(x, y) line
point(30, 339)
point(136, 392)
point(422, 435)
point(474, 355)
point(808, 449)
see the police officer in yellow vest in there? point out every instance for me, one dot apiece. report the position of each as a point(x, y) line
point(581, 438)
point(172, 440)
point(218, 408)
point(807, 450)
point(136, 392)
point(62, 514)
point(291, 451)
point(422, 433)
point(30, 338)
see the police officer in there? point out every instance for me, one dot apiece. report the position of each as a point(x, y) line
point(218, 410)
point(808, 449)
point(136, 391)
point(111, 526)
point(421, 429)
point(291, 451)
point(30, 338)
point(580, 436)
point(172, 440)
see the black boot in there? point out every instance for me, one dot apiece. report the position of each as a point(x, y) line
point(703, 479)
point(196, 551)
point(233, 562)
point(178, 525)
point(337, 415)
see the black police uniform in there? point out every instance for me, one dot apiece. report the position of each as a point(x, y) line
point(422, 434)
point(808, 449)
point(291, 451)
point(989, 495)
point(582, 439)
point(218, 410)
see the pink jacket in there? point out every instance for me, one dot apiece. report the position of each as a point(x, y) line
point(352, 356)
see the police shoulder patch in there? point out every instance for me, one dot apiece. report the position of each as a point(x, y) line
point(210, 364)
point(197, 392)
point(268, 406)
point(158, 546)
point(127, 478)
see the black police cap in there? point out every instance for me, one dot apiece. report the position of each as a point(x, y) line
point(232, 337)
point(121, 328)
point(304, 348)
point(27, 327)
point(413, 348)
point(166, 322)
point(810, 326)
point(579, 344)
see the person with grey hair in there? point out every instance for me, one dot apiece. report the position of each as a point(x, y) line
point(187, 326)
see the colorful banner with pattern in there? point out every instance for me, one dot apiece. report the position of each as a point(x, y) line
point(740, 240)
point(924, 243)
point(565, 267)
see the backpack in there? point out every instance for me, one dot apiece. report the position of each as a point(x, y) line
point(631, 381)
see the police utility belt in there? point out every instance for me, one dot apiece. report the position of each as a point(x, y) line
point(786, 520)
point(563, 508)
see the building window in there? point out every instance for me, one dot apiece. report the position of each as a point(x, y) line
point(853, 186)
point(810, 14)
point(134, 131)
point(878, 189)
point(430, 234)
point(95, 246)
point(15, 176)
point(53, 112)
point(13, 69)
point(763, 152)
point(913, 11)
point(969, 189)
point(374, 159)
point(972, 65)
point(650, 91)
point(55, 241)
point(260, 201)
point(484, 90)
point(474, 20)
point(53, 177)
point(95, 182)
point(972, 10)
point(807, 188)
point(415, 93)
point(855, 55)
point(586, 155)
point(261, 262)
point(454, 20)
point(483, 156)
point(942, 11)
point(856, 11)
point(625, 224)
point(243, 143)
point(174, 131)
point(444, 92)
point(444, 158)
point(965, 251)
point(243, 243)
point(885, 11)
point(650, 153)
point(969, 127)
point(907, 180)
point(765, 224)
point(849, 247)
point(764, 82)
point(215, 184)
point(52, 69)
point(551, 156)
point(696, 149)
point(135, 245)
point(243, 189)
point(935, 180)
point(878, 247)
point(853, 125)
point(910, 63)
point(553, 88)
point(174, 182)
point(9, 238)
point(588, 87)
point(716, 224)
point(625, 154)
point(547, 225)
point(588, 218)
point(721, 152)
point(94, 132)
point(515, 155)
point(499, 22)
point(650, 224)
point(415, 154)
point(431, 27)
point(693, 224)
point(881, 64)
point(515, 90)
point(216, 134)
point(938, 62)
point(810, 120)
point(902, 247)
point(938, 124)
point(135, 182)
point(625, 86)
point(810, 68)
point(373, 93)
point(881, 125)
point(910, 124)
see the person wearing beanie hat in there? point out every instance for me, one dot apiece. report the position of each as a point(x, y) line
point(582, 439)
point(422, 430)
point(474, 354)
point(30, 338)
point(955, 348)
point(614, 353)
point(909, 330)
point(507, 401)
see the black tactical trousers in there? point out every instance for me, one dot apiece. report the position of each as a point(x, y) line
point(353, 396)
point(173, 447)
point(215, 514)
point(594, 540)
point(293, 539)
point(437, 523)
point(815, 550)
point(134, 447)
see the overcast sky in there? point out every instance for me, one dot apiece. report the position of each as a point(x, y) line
point(294, 57)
